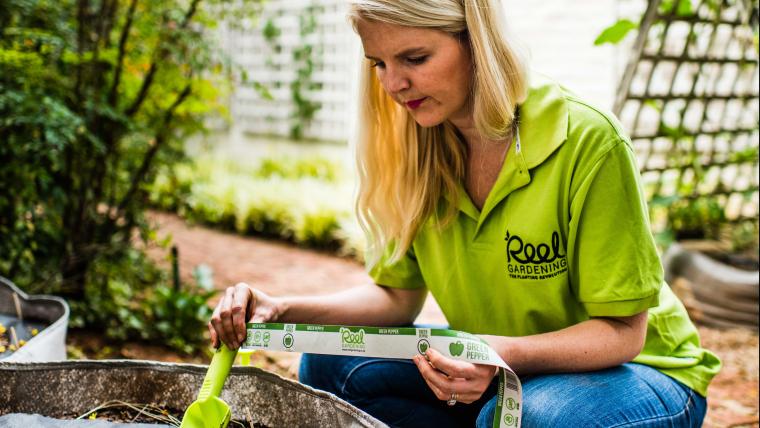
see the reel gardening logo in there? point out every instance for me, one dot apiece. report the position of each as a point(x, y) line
point(526, 260)
point(352, 341)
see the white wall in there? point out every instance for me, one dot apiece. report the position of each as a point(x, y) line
point(559, 36)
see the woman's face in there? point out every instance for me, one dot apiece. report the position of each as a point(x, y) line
point(427, 71)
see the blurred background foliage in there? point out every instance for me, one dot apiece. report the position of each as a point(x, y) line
point(95, 95)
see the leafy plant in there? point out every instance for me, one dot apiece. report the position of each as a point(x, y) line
point(700, 218)
point(744, 237)
point(127, 298)
point(178, 316)
point(300, 199)
point(93, 96)
point(302, 167)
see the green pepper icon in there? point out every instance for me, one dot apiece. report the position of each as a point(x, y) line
point(456, 348)
point(287, 340)
point(423, 346)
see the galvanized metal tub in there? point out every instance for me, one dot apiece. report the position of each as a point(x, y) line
point(49, 314)
point(61, 388)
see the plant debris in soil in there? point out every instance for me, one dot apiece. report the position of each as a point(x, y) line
point(9, 338)
point(122, 412)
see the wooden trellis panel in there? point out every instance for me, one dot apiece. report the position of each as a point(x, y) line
point(689, 98)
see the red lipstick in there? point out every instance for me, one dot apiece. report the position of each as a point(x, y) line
point(415, 103)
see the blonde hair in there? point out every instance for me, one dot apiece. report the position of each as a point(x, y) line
point(405, 169)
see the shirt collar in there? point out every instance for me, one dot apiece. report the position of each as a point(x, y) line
point(542, 127)
point(543, 120)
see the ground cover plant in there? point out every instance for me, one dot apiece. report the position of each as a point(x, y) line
point(306, 200)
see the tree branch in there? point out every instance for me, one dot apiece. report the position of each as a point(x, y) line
point(190, 13)
point(147, 82)
point(160, 56)
point(81, 33)
point(122, 51)
point(110, 12)
point(160, 140)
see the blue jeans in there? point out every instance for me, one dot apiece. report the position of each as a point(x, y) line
point(393, 391)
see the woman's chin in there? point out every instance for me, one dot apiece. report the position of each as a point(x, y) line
point(427, 121)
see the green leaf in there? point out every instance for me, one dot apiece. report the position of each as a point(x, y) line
point(684, 8)
point(263, 91)
point(616, 32)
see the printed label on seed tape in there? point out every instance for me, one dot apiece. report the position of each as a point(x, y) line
point(392, 342)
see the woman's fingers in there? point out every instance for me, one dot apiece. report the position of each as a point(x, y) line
point(432, 378)
point(241, 297)
point(452, 367)
point(216, 325)
point(228, 336)
point(443, 384)
point(228, 321)
point(212, 329)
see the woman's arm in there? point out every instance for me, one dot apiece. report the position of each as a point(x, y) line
point(369, 304)
point(594, 344)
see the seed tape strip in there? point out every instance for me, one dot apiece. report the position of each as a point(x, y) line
point(402, 342)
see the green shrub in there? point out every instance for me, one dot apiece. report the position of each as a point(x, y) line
point(290, 198)
point(128, 298)
point(288, 167)
point(700, 218)
point(94, 97)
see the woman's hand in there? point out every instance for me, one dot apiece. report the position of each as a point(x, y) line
point(240, 304)
point(453, 379)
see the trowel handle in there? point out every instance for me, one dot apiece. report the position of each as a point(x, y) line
point(217, 373)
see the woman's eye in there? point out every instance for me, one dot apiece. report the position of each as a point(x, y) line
point(417, 60)
point(377, 64)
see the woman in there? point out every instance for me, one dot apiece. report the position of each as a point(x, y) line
point(519, 207)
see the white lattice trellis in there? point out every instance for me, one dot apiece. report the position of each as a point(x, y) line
point(271, 64)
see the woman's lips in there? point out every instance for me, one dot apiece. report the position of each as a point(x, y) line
point(415, 103)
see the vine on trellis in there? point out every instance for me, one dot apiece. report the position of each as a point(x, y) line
point(305, 57)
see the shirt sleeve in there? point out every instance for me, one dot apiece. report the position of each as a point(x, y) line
point(614, 266)
point(404, 273)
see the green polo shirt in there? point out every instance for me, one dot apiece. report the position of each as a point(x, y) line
point(563, 236)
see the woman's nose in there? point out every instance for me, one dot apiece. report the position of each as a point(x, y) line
point(395, 81)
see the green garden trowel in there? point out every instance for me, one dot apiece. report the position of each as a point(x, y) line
point(208, 410)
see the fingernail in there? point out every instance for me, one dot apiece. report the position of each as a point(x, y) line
point(241, 336)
